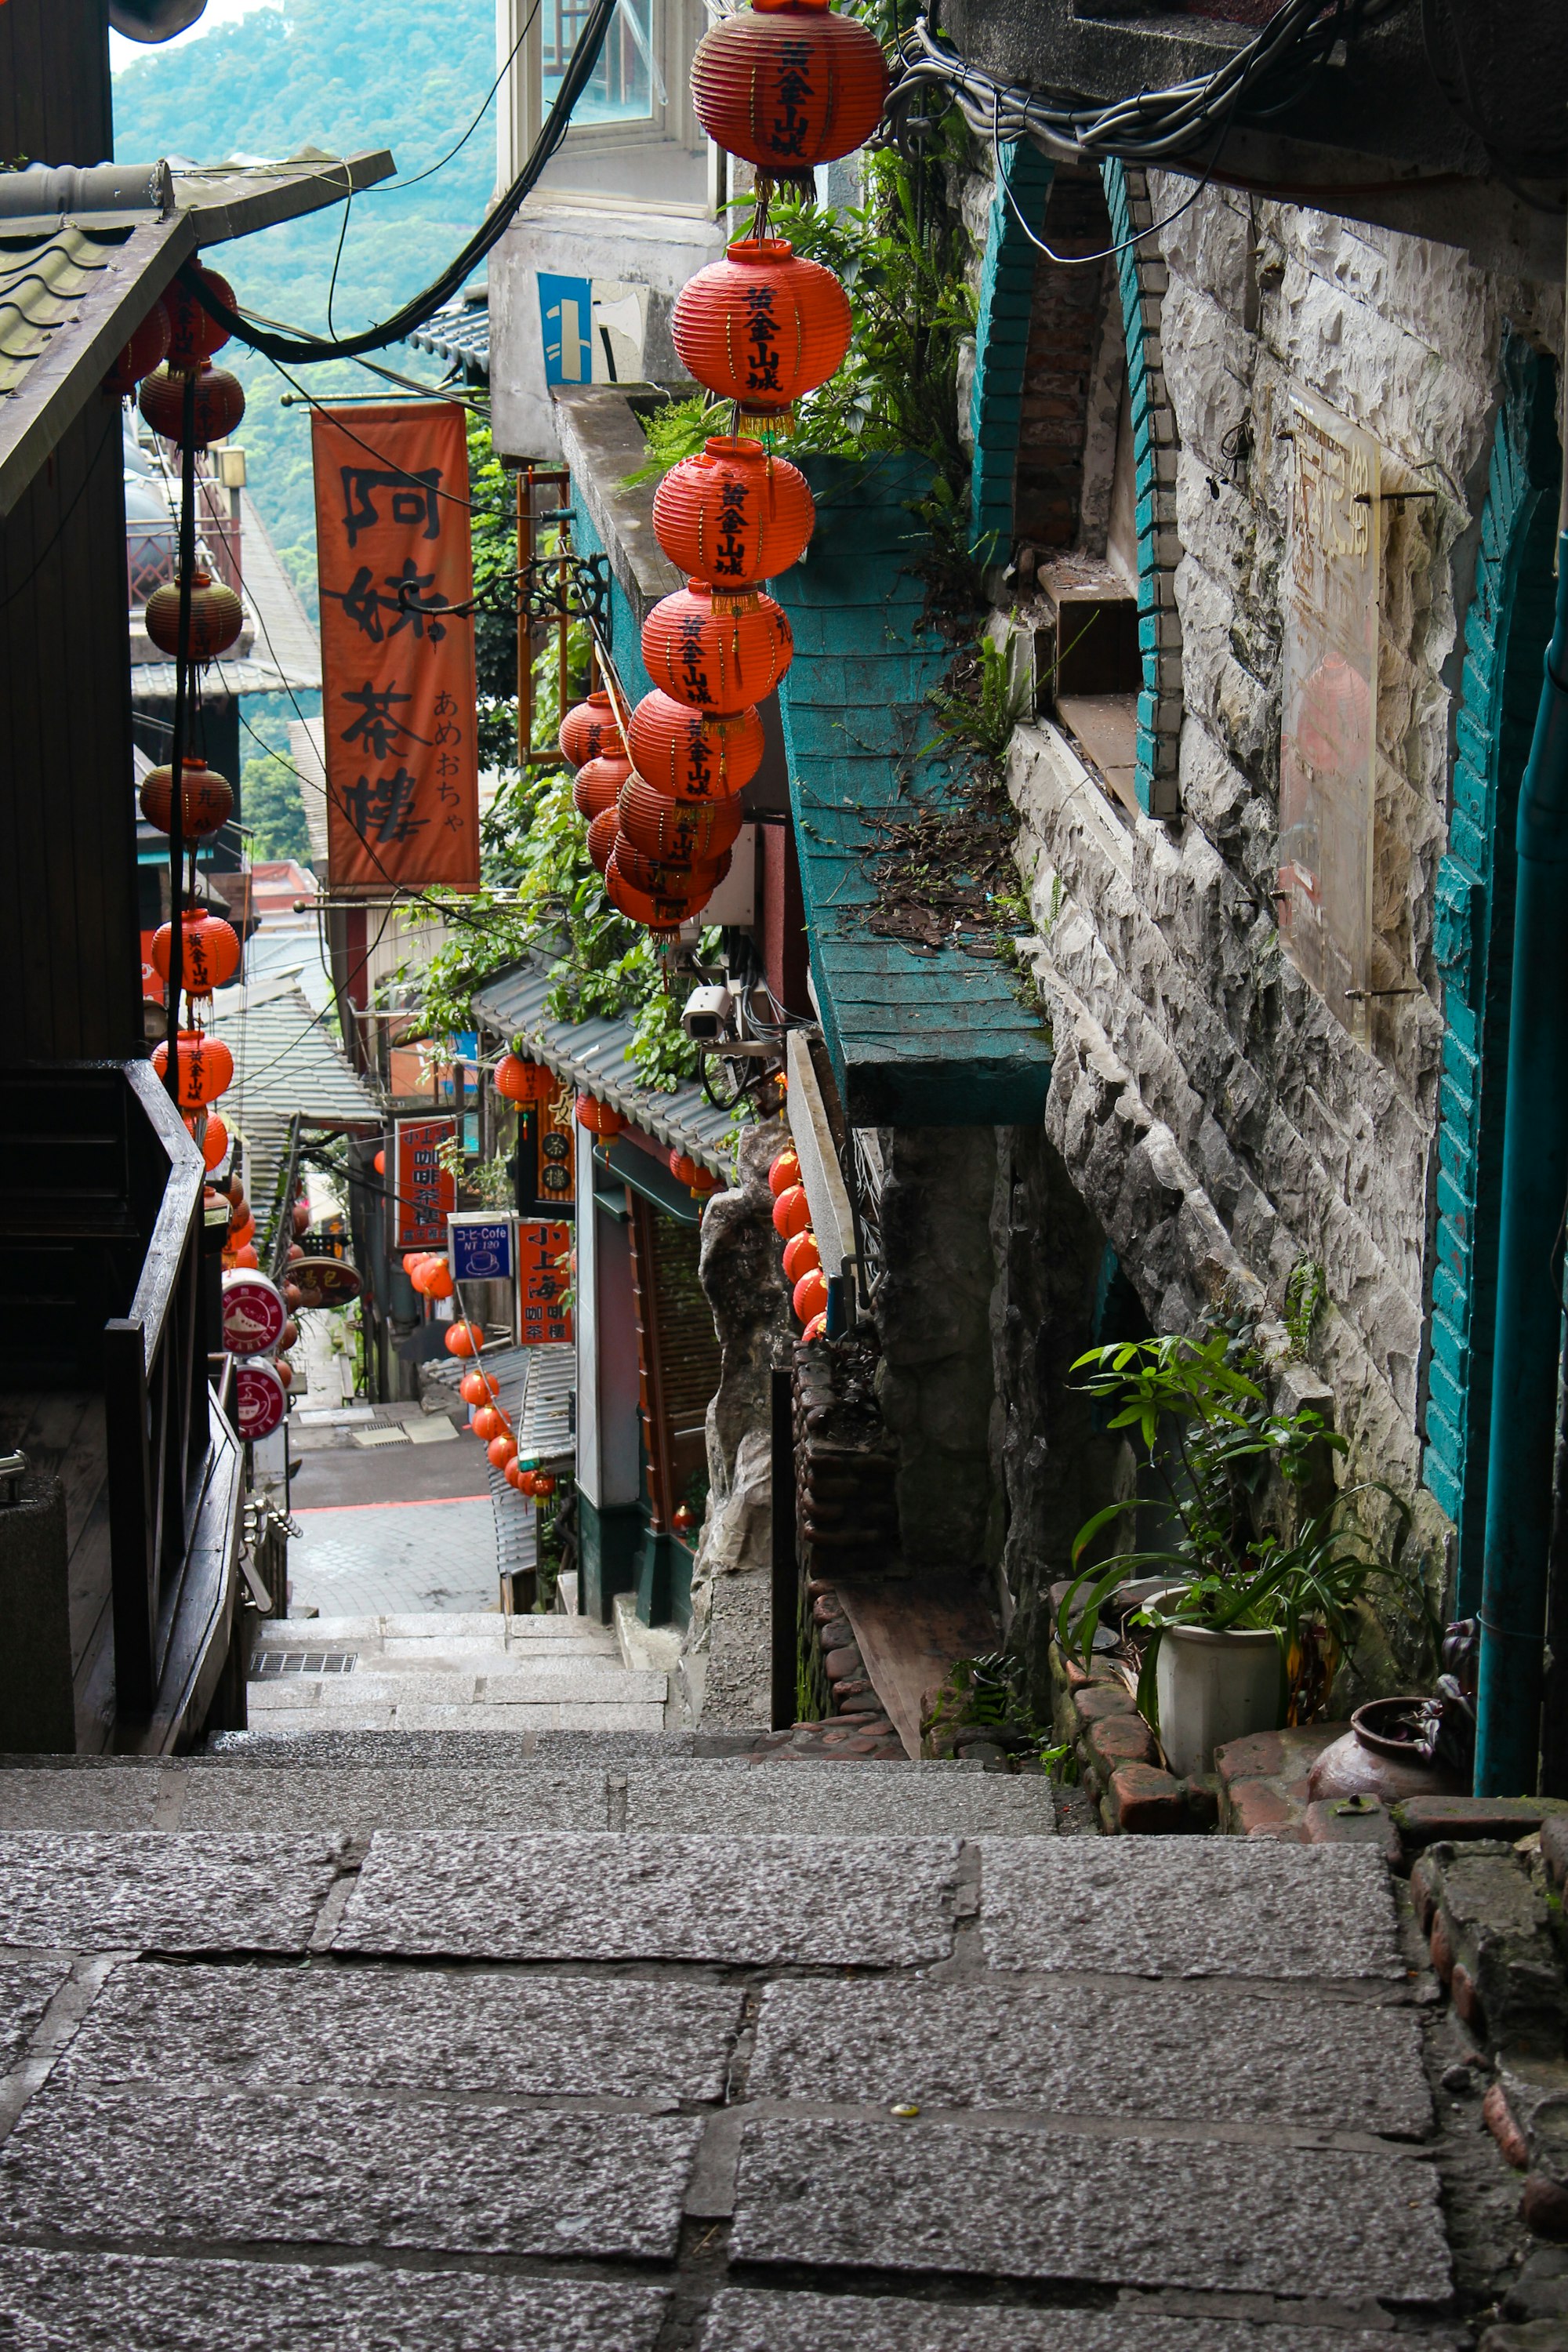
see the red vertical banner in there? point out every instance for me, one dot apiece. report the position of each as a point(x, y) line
point(544, 1278)
point(398, 670)
point(426, 1192)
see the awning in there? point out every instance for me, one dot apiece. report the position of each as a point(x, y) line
point(459, 332)
point(594, 1055)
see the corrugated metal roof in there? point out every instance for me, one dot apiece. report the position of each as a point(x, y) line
point(459, 332)
point(594, 1055)
point(286, 1060)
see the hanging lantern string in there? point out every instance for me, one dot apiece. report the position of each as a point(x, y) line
point(178, 732)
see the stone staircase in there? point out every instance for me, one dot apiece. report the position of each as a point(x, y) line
point(552, 2040)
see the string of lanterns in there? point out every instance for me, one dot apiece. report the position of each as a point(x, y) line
point(802, 1259)
point(785, 84)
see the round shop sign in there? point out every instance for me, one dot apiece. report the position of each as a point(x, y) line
point(260, 1399)
point(325, 1281)
point(253, 1313)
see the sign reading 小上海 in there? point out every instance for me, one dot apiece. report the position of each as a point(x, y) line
point(544, 1278)
point(394, 552)
point(425, 1190)
point(481, 1249)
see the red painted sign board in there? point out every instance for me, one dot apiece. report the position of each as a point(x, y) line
point(543, 1277)
point(426, 1192)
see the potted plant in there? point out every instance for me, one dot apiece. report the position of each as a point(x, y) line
point(1255, 1592)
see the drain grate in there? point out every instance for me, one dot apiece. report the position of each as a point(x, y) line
point(272, 1663)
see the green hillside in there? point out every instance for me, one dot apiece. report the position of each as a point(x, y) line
point(409, 75)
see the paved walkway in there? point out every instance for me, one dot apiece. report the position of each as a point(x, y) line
point(393, 1558)
point(588, 2045)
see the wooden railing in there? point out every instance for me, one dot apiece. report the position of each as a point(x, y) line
point(157, 1409)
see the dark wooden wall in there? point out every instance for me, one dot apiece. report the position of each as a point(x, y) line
point(70, 967)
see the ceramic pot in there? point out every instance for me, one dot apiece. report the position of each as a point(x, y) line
point(1214, 1687)
point(1368, 1763)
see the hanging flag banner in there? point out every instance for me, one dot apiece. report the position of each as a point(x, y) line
point(426, 1192)
point(544, 1278)
point(397, 672)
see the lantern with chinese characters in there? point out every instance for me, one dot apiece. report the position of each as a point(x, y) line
point(218, 403)
point(141, 355)
point(787, 84)
point(733, 515)
point(688, 756)
point(521, 1081)
point(716, 653)
point(661, 916)
point(760, 328)
point(206, 1067)
point(206, 803)
point(665, 878)
point(691, 830)
point(589, 731)
point(217, 617)
point(599, 1118)
point(598, 785)
point(209, 951)
point(193, 333)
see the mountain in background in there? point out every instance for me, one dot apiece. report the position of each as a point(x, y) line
point(409, 75)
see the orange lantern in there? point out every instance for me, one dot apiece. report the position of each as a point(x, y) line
point(695, 832)
point(602, 836)
point(501, 1449)
point(209, 951)
point(241, 1230)
point(378, 1163)
point(489, 1421)
point(787, 85)
point(792, 1213)
point(715, 652)
point(206, 1067)
point(801, 1255)
point(141, 353)
point(464, 1340)
point(690, 1172)
point(216, 617)
point(217, 407)
point(412, 1258)
point(733, 515)
point(245, 1256)
point(667, 876)
point(515, 1474)
point(599, 1118)
point(809, 1296)
point(761, 327)
point(521, 1081)
point(207, 800)
point(687, 755)
point(193, 333)
point(476, 1388)
point(284, 1370)
point(543, 1483)
point(300, 1213)
point(783, 1171)
point(663, 917)
point(589, 731)
point(215, 1142)
point(598, 785)
point(437, 1279)
point(815, 1329)
point(682, 1520)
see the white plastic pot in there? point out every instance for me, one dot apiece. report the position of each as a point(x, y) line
point(1213, 1687)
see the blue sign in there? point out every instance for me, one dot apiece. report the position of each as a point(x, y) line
point(566, 323)
point(481, 1252)
point(466, 1045)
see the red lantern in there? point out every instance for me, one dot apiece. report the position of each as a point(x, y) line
point(301, 1212)
point(692, 1174)
point(599, 1118)
point(141, 353)
point(693, 832)
point(476, 1388)
point(801, 1255)
point(284, 1370)
point(205, 1066)
point(792, 1214)
point(209, 951)
point(464, 1340)
point(602, 836)
point(589, 731)
point(378, 1163)
point(664, 879)
point(733, 515)
point(783, 1171)
point(242, 1231)
point(543, 1483)
point(206, 799)
point(683, 1518)
point(815, 1329)
point(521, 1081)
point(501, 1449)
point(761, 327)
point(662, 916)
point(715, 652)
point(433, 1278)
point(787, 84)
point(217, 617)
point(243, 1256)
point(515, 1474)
point(598, 785)
point(413, 1258)
point(193, 333)
point(217, 408)
point(809, 1296)
point(688, 756)
point(215, 1142)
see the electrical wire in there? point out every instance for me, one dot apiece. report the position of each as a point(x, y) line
point(303, 349)
point(1083, 260)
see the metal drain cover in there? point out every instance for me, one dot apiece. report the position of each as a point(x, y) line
point(272, 1663)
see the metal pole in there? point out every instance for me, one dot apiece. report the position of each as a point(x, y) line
point(1528, 1344)
point(785, 1596)
point(524, 625)
point(177, 737)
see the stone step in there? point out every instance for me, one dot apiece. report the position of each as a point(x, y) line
point(588, 1682)
point(439, 1629)
point(263, 1789)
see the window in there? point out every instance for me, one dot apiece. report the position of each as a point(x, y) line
point(635, 141)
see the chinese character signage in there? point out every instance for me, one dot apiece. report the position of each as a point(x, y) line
point(481, 1249)
point(397, 669)
point(544, 1278)
point(426, 1192)
point(546, 1154)
point(1329, 737)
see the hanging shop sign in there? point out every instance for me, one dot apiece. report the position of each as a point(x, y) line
point(325, 1281)
point(397, 666)
point(547, 1152)
point(260, 1399)
point(483, 1249)
point(544, 1279)
point(253, 1314)
point(426, 1192)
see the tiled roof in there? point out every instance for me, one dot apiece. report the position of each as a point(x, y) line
point(594, 1055)
point(459, 332)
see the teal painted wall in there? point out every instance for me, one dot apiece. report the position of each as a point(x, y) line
point(1000, 345)
point(1506, 630)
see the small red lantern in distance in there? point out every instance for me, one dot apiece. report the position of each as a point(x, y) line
point(521, 1081)
point(206, 801)
point(715, 653)
point(733, 514)
point(688, 756)
point(589, 731)
point(787, 85)
point(761, 327)
point(217, 407)
point(809, 1296)
point(217, 617)
point(667, 876)
point(209, 951)
point(661, 916)
point(792, 1213)
point(215, 1142)
point(501, 1449)
point(193, 333)
point(141, 354)
point(801, 1255)
point(783, 1171)
point(599, 1118)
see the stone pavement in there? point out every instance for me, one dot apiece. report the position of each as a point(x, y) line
point(467, 2042)
point(376, 1559)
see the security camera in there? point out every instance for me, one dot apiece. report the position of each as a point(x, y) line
point(709, 1016)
